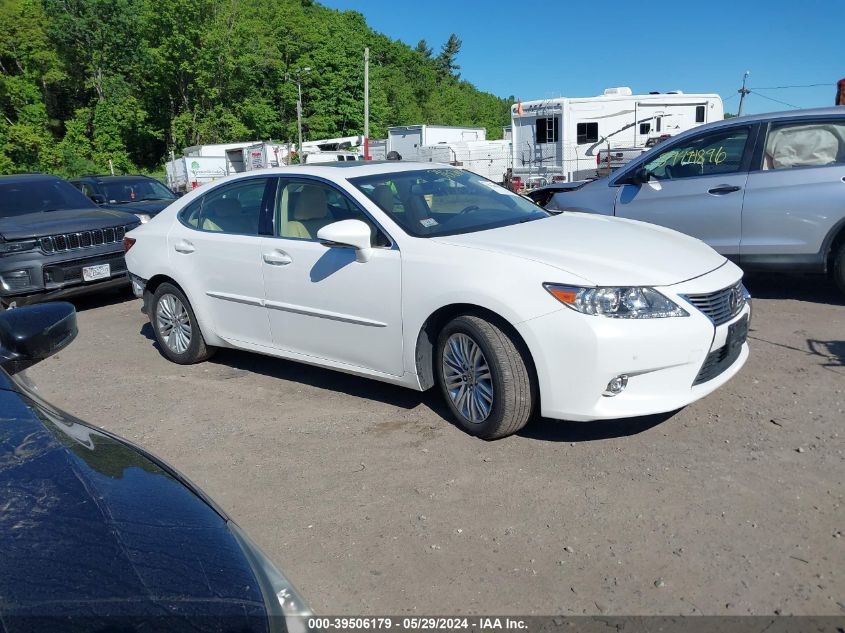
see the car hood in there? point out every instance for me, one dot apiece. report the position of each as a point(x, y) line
point(40, 224)
point(606, 251)
point(150, 207)
point(92, 527)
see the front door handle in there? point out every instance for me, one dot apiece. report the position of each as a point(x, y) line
point(277, 258)
point(723, 189)
point(184, 246)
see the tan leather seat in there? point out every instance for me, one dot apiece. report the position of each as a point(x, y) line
point(310, 213)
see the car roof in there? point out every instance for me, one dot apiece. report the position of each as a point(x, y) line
point(108, 178)
point(28, 178)
point(350, 169)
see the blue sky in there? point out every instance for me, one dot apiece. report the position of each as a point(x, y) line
point(545, 48)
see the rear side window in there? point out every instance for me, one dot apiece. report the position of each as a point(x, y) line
point(804, 144)
point(234, 208)
point(715, 153)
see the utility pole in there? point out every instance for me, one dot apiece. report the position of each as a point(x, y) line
point(367, 103)
point(742, 92)
point(298, 74)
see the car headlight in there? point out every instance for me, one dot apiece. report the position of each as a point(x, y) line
point(7, 248)
point(616, 302)
point(280, 597)
point(144, 217)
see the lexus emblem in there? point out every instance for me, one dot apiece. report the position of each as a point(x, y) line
point(734, 300)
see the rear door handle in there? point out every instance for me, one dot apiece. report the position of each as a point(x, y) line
point(184, 246)
point(723, 189)
point(277, 258)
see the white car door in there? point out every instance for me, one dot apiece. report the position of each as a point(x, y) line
point(321, 302)
point(217, 247)
point(695, 186)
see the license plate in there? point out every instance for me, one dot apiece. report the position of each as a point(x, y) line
point(737, 333)
point(93, 273)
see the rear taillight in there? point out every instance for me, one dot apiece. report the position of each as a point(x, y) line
point(128, 242)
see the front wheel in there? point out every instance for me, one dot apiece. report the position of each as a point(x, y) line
point(485, 378)
point(176, 328)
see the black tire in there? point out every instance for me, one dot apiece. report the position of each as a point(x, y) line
point(196, 350)
point(839, 268)
point(514, 387)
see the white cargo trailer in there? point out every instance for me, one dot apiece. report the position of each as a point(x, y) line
point(407, 140)
point(560, 138)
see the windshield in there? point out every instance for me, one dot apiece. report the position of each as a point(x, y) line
point(434, 202)
point(37, 195)
point(135, 190)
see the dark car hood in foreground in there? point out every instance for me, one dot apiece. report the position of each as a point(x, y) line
point(150, 207)
point(40, 224)
point(93, 530)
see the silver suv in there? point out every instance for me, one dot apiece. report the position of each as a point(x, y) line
point(767, 191)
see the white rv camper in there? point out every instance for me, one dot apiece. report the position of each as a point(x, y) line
point(560, 138)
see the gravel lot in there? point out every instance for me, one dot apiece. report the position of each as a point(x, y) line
point(373, 503)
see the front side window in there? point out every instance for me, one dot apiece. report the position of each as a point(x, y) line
point(715, 153)
point(435, 202)
point(587, 132)
point(303, 207)
point(805, 144)
point(234, 208)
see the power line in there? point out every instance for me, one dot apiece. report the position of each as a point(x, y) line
point(828, 84)
point(776, 100)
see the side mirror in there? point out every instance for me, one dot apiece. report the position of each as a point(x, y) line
point(98, 198)
point(30, 334)
point(348, 234)
point(639, 176)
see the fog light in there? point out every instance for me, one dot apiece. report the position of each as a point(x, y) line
point(15, 280)
point(616, 385)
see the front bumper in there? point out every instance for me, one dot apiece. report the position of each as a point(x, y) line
point(33, 276)
point(577, 355)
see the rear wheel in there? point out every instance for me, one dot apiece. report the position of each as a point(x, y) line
point(485, 378)
point(176, 328)
point(839, 268)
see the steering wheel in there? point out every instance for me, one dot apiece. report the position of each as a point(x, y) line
point(470, 208)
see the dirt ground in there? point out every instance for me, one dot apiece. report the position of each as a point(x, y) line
point(373, 503)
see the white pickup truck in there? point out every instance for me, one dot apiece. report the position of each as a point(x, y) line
point(609, 160)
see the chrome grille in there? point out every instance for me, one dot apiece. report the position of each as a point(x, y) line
point(82, 239)
point(720, 306)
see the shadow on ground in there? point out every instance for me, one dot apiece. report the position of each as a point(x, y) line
point(549, 430)
point(102, 299)
point(814, 288)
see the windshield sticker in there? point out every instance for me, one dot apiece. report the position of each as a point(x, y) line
point(428, 222)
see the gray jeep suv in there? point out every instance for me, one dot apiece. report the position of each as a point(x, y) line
point(767, 191)
point(55, 242)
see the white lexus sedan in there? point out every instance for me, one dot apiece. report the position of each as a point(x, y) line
point(420, 275)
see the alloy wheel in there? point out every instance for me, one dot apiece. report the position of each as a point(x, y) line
point(174, 324)
point(468, 378)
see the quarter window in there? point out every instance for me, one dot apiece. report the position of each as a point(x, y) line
point(805, 144)
point(715, 153)
point(587, 132)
